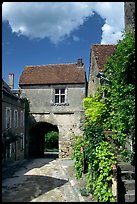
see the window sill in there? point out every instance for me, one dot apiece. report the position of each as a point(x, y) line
point(60, 104)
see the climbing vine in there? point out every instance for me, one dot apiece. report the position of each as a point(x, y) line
point(99, 153)
point(120, 69)
point(115, 112)
point(78, 156)
point(100, 173)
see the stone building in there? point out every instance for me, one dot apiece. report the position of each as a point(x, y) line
point(55, 93)
point(13, 126)
point(129, 10)
point(98, 57)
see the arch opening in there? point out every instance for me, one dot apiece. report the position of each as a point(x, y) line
point(37, 140)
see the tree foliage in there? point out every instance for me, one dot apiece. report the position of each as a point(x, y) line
point(51, 140)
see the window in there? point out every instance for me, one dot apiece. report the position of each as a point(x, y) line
point(7, 153)
point(10, 151)
point(8, 117)
point(22, 141)
point(60, 96)
point(21, 119)
point(15, 118)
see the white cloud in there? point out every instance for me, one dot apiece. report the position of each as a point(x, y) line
point(76, 38)
point(109, 35)
point(57, 20)
point(113, 13)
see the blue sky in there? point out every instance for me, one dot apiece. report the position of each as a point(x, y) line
point(40, 33)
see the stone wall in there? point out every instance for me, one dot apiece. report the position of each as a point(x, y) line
point(41, 98)
point(93, 81)
point(67, 117)
point(69, 126)
point(129, 8)
point(15, 151)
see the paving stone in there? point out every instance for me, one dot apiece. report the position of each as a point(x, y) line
point(41, 180)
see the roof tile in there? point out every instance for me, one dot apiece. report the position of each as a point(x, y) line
point(52, 74)
point(102, 52)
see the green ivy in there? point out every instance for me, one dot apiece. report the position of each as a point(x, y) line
point(102, 165)
point(94, 110)
point(78, 156)
point(115, 112)
point(98, 152)
point(120, 69)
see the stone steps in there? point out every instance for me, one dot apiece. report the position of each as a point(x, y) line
point(127, 175)
point(130, 196)
point(129, 184)
point(126, 182)
point(126, 166)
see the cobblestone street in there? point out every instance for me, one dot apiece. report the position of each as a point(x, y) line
point(40, 180)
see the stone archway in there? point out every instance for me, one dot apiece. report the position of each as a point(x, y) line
point(36, 137)
point(67, 124)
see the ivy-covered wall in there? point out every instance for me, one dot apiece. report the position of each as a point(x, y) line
point(113, 113)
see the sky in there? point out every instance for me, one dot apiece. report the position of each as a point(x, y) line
point(41, 33)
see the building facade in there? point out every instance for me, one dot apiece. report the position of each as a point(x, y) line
point(13, 126)
point(55, 93)
point(99, 54)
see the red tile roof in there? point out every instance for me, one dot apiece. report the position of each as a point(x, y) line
point(102, 52)
point(52, 74)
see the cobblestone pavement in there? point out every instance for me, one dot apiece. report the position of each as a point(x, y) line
point(41, 180)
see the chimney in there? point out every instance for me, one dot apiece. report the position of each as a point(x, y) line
point(11, 80)
point(79, 62)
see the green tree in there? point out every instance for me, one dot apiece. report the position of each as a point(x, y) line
point(51, 140)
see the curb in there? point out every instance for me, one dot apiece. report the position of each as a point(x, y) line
point(73, 182)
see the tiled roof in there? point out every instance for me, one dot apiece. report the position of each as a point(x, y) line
point(102, 52)
point(52, 74)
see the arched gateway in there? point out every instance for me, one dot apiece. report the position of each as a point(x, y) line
point(55, 94)
point(37, 133)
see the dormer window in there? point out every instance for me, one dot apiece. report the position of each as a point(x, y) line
point(60, 97)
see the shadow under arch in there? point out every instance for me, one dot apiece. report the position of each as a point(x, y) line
point(36, 138)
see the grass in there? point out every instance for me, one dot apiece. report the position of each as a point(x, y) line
point(52, 150)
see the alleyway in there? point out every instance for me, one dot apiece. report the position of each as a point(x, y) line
point(41, 180)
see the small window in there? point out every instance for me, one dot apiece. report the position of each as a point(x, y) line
point(60, 96)
point(22, 141)
point(8, 117)
point(15, 118)
point(10, 150)
point(21, 119)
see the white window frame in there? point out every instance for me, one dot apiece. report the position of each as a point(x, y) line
point(59, 95)
point(8, 123)
point(15, 119)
